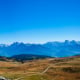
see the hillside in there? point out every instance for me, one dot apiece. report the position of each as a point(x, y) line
point(43, 69)
point(2, 58)
point(27, 57)
point(23, 58)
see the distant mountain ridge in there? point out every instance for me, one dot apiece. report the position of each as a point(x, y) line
point(53, 49)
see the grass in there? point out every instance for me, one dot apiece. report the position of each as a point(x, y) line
point(25, 77)
point(67, 69)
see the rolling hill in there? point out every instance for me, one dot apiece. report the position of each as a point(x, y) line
point(43, 69)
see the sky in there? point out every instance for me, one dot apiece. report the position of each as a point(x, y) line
point(39, 21)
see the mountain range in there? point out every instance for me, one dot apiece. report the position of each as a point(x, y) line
point(53, 49)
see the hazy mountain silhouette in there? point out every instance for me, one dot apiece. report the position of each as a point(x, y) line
point(58, 49)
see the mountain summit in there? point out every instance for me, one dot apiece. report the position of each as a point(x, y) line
point(53, 49)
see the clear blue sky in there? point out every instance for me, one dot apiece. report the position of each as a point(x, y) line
point(39, 21)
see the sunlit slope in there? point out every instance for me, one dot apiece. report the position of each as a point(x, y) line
point(43, 69)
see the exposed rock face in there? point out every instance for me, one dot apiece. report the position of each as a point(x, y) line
point(3, 78)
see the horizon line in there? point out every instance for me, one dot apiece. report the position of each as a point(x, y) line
point(36, 42)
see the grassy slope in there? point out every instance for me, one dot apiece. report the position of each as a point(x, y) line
point(46, 69)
